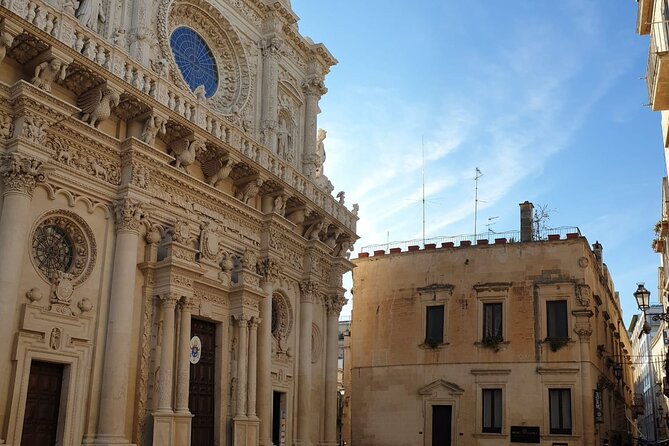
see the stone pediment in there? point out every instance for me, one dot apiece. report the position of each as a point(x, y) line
point(441, 386)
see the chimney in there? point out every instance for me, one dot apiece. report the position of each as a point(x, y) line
point(526, 215)
point(597, 251)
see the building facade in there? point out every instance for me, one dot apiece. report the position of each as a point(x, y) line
point(171, 252)
point(489, 344)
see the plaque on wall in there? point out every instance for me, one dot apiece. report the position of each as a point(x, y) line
point(525, 434)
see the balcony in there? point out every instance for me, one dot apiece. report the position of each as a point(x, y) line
point(657, 72)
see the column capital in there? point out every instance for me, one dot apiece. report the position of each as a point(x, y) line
point(20, 173)
point(189, 304)
point(169, 300)
point(270, 47)
point(308, 291)
point(334, 304)
point(129, 214)
point(314, 87)
point(268, 269)
point(242, 320)
point(254, 322)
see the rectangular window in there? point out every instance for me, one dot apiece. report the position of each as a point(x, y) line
point(560, 411)
point(556, 314)
point(492, 411)
point(434, 325)
point(492, 321)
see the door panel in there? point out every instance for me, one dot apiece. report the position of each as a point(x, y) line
point(40, 422)
point(201, 400)
point(441, 425)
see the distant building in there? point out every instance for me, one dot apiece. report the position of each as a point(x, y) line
point(489, 344)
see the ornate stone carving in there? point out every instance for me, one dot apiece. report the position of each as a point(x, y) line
point(282, 324)
point(185, 151)
point(181, 232)
point(308, 291)
point(583, 333)
point(316, 343)
point(47, 72)
point(248, 191)
point(6, 41)
point(209, 240)
point(54, 339)
point(97, 104)
point(249, 260)
point(268, 269)
point(62, 287)
point(34, 295)
point(334, 304)
point(314, 86)
point(280, 205)
point(227, 264)
point(152, 126)
point(91, 12)
point(85, 305)
point(20, 173)
point(34, 129)
point(130, 215)
point(217, 169)
point(583, 295)
point(6, 126)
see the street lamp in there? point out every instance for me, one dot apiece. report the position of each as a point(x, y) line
point(642, 296)
point(618, 371)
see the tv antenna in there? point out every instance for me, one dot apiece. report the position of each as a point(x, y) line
point(422, 143)
point(491, 223)
point(478, 174)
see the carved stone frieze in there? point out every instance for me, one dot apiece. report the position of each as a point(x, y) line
point(47, 72)
point(20, 173)
point(32, 128)
point(85, 159)
point(583, 295)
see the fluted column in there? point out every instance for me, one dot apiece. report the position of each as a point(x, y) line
point(269, 271)
point(253, 361)
point(242, 362)
point(307, 291)
point(116, 369)
point(334, 305)
point(20, 174)
point(165, 376)
point(183, 367)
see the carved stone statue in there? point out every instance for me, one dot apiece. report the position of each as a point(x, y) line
point(120, 37)
point(342, 196)
point(6, 41)
point(314, 230)
point(47, 72)
point(160, 66)
point(70, 6)
point(152, 126)
point(248, 191)
point(185, 151)
point(200, 93)
point(90, 12)
point(356, 208)
point(280, 205)
point(222, 173)
point(6, 127)
point(96, 104)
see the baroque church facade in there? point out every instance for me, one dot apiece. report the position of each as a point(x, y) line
point(171, 250)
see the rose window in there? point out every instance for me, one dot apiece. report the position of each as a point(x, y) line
point(52, 249)
point(195, 60)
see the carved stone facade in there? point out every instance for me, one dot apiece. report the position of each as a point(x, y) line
point(152, 225)
point(480, 339)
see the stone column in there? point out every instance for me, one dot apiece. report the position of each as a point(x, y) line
point(116, 369)
point(270, 87)
point(313, 89)
point(269, 271)
point(242, 362)
point(253, 361)
point(183, 367)
point(20, 174)
point(334, 305)
point(584, 331)
point(307, 291)
point(165, 376)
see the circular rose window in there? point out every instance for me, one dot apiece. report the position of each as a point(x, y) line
point(62, 241)
point(195, 60)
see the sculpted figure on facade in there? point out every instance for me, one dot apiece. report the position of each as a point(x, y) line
point(181, 232)
point(130, 215)
point(185, 151)
point(6, 126)
point(209, 240)
point(70, 6)
point(152, 126)
point(47, 72)
point(280, 205)
point(97, 104)
point(222, 173)
point(61, 292)
point(6, 41)
point(34, 129)
point(120, 37)
point(312, 232)
point(90, 13)
point(341, 195)
point(248, 191)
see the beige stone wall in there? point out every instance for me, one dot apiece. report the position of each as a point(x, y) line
point(391, 366)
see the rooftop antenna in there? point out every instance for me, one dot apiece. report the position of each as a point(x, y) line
point(422, 143)
point(477, 175)
point(490, 224)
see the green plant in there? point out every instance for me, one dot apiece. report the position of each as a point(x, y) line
point(492, 342)
point(557, 343)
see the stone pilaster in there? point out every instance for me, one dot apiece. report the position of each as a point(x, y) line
point(19, 175)
point(112, 428)
point(269, 271)
point(334, 305)
point(242, 365)
point(165, 376)
point(183, 367)
point(253, 366)
point(307, 295)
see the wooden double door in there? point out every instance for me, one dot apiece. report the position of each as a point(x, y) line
point(40, 421)
point(201, 397)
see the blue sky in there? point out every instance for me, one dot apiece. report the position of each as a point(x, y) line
point(546, 98)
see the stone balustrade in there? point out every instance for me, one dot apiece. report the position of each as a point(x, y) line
point(65, 27)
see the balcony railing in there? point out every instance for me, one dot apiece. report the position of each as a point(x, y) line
point(657, 75)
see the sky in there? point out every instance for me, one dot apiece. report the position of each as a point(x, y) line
point(547, 99)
